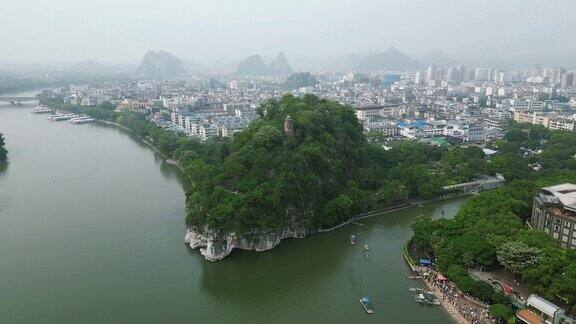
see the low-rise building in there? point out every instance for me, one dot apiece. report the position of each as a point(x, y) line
point(562, 123)
point(376, 111)
point(540, 311)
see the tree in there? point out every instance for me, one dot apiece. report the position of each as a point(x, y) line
point(501, 312)
point(516, 256)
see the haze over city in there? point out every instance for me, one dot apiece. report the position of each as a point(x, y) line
point(69, 31)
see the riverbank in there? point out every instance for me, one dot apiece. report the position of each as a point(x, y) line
point(166, 158)
point(120, 243)
point(452, 301)
point(216, 246)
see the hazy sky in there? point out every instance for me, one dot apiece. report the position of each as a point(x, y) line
point(122, 30)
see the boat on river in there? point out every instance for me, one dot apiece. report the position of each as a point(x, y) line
point(367, 304)
point(413, 277)
point(41, 110)
point(81, 120)
point(367, 250)
point(426, 298)
point(352, 239)
point(59, 117)
point(416, 290)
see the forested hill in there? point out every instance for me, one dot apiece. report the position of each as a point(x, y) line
point(321, 174)
point(316, 176)
point(3, 152)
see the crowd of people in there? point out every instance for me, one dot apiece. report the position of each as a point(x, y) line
point(469, 311)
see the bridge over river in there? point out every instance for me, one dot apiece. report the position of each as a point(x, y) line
point(17, 100)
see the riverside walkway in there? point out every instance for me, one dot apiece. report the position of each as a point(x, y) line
point(460, 307)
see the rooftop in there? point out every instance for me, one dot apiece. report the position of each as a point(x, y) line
point(565, 193)
point(528, 316)
point(542, 305)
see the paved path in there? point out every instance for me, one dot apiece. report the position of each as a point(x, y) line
point(461, 308)
point(448, 307)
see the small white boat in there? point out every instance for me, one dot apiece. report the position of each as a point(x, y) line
point(367, 304)
point(426, 298)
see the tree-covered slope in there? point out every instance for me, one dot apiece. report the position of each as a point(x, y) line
point(268, 178)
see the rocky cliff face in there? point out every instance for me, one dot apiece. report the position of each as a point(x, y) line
point(216, 246)
point(161, 65)
point(252, 65)
point(391, 59)
point(280, 65)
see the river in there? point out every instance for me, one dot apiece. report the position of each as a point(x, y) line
point(92, 227)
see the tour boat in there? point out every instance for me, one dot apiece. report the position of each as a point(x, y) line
point(367, 304)
point(367, 250)
point(426, 298)
point(352, 239)
point(41, 110)
point(413, 277)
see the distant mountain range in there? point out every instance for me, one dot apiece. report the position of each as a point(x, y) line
point(160, 65)
point(280, 65)
point(254, 65)
point(438, 58)
point(391, 59)
point(87, 66)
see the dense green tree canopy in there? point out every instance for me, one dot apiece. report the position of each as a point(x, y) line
point(516, 256)
point(488, 232)
point(317, 176)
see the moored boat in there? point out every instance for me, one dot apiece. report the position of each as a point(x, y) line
point(426, 298)
point(41, 110)
point(367, 304)
point(413, 277)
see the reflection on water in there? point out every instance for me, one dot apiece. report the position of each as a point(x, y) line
point(3, 168)
point(291, 266)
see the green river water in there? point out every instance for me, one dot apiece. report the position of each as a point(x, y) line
point(92, 228)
